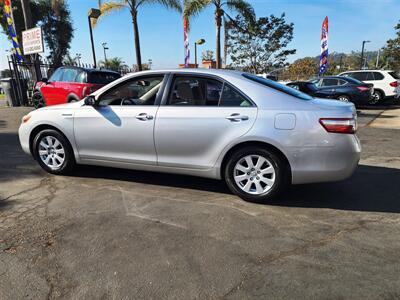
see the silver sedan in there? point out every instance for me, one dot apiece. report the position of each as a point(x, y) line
point(257, 135)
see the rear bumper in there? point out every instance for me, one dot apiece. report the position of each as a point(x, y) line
point(324, 164)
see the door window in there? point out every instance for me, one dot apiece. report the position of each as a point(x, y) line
point(329, 82)
point(231, 97)
point(196, 91)
point(69, 75)
point(56, 75)
point(141, 91)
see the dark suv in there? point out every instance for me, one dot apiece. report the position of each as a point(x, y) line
point(69, 84)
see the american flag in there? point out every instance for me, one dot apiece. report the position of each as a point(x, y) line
point(323, 60)
point(186, 42)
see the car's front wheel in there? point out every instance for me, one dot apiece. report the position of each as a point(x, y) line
point(53, 152)
point(255, 174)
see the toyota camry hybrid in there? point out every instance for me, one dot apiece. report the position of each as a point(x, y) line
point(256, 134)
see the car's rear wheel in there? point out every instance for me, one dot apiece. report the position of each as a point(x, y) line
point(343, 98)
point(255, 174)
point(38, 100)
point(53, 152)
point(376, 97)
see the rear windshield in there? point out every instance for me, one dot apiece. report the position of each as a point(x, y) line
point(102, 77)
point(277, 86)
point(394, 75)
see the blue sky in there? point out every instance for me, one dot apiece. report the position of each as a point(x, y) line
point(350, 22)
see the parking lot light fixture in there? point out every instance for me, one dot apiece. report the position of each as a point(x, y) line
point(93, 13)
point(198, 42)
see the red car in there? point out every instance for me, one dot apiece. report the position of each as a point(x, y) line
point(69, 84)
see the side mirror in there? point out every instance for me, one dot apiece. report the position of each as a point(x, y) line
point(90, 101)
point(45, 80)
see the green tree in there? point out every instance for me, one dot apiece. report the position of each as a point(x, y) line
point(302, 69)
point(207, 55)
point(260, 46)
point(194, 7)
point(392, 50)
point(134, 6)
point(114, 63)
point(53, 16)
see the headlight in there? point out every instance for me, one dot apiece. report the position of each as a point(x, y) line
point(25, 118)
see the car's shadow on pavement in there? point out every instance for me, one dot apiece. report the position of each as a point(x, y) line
point(373, 189)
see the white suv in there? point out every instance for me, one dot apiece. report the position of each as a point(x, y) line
point(385, 83)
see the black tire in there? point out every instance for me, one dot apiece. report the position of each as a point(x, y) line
point(377, 98)
point(69, 160)
point(38, 100)
point(344, 98)
point(281, 176)
point(72, 100)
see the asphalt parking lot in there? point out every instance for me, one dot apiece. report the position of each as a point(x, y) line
point(109, 233)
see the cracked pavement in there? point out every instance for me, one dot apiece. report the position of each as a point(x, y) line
point(120, 234)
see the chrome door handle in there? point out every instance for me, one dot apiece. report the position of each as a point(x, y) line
point(144, 117)
point(237, 117)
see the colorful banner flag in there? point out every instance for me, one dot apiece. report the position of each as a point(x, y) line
point(323, 60)
point(186, 42)
point(11, 31)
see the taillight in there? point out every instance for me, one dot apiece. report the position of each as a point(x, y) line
point(363, 88)
point(394, 84)
point(339, 125)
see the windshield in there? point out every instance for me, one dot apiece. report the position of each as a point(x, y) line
point(277, 86)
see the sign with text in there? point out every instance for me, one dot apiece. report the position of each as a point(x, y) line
point(32, 41)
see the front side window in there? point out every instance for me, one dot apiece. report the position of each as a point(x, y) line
point(81, 78)
point(69, 75)
point(141, 91)
point(195, 91)
point(56, 75)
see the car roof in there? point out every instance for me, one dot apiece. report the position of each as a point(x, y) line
point(89, 70)
point(357, 71)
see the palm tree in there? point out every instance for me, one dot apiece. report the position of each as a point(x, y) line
point(114, 63)
point(194, 7)
point(133, 6)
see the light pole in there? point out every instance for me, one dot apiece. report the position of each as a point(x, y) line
point(198, 42)
point(78, 57)
point(94, 13)
point(362, 54)
point(104, 49)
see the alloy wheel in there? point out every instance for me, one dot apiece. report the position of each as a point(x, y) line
point(51, 152)
point(254, 174)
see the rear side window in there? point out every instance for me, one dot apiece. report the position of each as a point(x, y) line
point(277, 86)
point(102, 77)
point(377, 76)
point(329, 82)
point(394, 75)
point(195, 91)
point(352, 80)
point(231, 97)
point(81, 78)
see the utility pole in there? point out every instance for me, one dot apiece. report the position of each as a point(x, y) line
point(377, 59)
point(26, 11)
point(362, 54)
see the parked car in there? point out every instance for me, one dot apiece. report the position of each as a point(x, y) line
point(256, 134)
point(385, 82)
point(70, 84)
point(345, 89)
